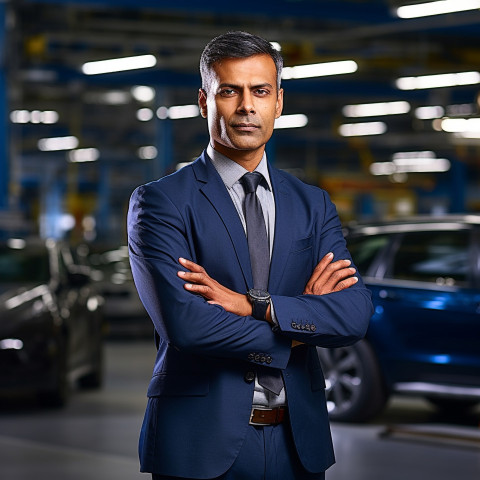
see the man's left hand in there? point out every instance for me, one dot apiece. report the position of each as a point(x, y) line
point(198, 281)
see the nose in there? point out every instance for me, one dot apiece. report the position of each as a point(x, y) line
point(246, 104)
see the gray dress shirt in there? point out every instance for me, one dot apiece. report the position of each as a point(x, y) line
point(231, 173)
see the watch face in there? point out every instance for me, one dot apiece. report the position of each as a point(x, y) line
point(259, 294)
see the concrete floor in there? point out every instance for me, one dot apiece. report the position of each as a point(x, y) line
point(95, 437)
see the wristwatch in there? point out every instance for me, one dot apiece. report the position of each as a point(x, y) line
point(260, 299)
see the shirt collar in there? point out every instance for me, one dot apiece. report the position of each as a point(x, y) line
point(231, 172)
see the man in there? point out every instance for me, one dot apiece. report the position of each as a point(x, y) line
point(237, 390)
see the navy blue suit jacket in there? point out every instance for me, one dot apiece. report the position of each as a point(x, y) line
point(199, 395)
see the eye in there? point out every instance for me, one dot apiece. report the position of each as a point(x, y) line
point(262, 92)
point(227, 92)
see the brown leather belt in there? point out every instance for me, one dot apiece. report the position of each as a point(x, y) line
point(267, 416)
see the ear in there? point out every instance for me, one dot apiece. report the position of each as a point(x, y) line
point(279, 105)
point(202, 102)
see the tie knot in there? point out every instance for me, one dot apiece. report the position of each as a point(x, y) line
point(250, 181)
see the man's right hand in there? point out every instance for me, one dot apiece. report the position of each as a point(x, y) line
point(329, 276)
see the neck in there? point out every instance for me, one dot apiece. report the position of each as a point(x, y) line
point(248, 159)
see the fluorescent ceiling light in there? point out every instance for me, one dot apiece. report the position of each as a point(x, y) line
point(320, 69)
point(143, 93)
point(291, 121)
point(148, 152)
point(112, 97)
point(57, 143)
point(414, 155)
point(145, 114)
point(376, 109)
point(466, 126)
point(119, 64)
point(429, 112)
point(467, 134)
point(177, 112)
point(411, 162)
point(84, 155)
point(16, 243)
point(437, 8)
point(438, 81)
point(361, 129)
point(35, 116)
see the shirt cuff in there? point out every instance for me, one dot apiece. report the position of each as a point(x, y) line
point(275, 325)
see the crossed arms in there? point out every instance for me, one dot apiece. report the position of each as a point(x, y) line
point(195, 313)
point(327, 277)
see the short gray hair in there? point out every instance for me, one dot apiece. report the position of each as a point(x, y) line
point(237, 45)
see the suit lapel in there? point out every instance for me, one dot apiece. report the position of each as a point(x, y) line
point(215, 191)
point(284, 229)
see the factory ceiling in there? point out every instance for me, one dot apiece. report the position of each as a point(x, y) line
point(49, 41)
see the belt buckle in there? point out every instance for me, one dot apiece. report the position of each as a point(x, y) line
point(252, 413)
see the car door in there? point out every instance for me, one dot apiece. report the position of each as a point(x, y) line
point(428, 309)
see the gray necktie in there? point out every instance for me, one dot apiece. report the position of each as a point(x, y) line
point(256, 231)
point(259, 250)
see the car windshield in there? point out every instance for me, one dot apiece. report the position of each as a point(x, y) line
point(365, 249)
point(23, 265)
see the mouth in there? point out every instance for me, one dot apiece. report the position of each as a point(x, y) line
point(245, 127)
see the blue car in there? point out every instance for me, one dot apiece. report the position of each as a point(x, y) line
point(424, 337)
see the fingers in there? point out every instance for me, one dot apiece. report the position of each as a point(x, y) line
point(344, 284)
point(192, 266)
point(318, 270)
point(330, 276)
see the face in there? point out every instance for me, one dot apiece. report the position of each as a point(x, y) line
point(241, 105)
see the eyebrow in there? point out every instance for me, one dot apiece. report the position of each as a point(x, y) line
point(238, 87)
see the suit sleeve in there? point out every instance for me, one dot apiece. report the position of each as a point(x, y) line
point(157, 237)
point(331, 320)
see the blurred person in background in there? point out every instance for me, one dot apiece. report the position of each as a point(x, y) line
point(234, 262)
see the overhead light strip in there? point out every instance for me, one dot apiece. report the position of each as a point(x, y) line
point(119, 64)
point(411, 162)
point(291, 121)
point(429, 112)
point(362, 129)
point(319, 69)
point(438, 81)
point(376, 109)
point(57, 143)
point(462, 127)
point(83, 155)
point(178, 112)
point(441, 7)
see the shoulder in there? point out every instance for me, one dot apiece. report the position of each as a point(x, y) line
point(174, 185)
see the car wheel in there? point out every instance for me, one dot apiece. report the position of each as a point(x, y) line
point(355, 390)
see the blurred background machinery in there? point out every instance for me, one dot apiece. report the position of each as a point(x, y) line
point(381, 104)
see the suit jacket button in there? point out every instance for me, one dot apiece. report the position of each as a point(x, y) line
point(249, 376)
point(257, 357)
point(313, 328)
point(251, 356)
point(263, 358)
point(269, 359)
point(294, 325)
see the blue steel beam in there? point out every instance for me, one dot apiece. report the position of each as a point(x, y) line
point(4, 144)
point(369, 11)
